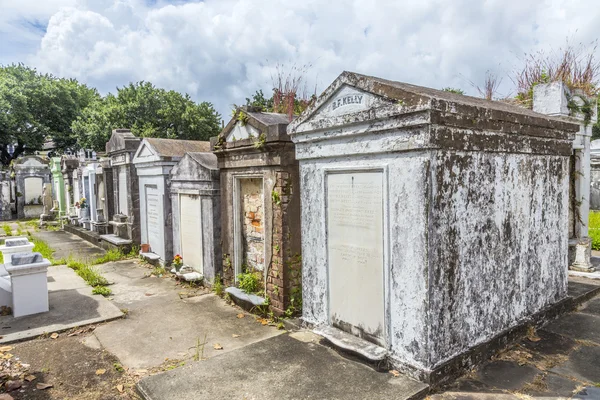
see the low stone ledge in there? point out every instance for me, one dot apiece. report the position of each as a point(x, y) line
point(243, 299)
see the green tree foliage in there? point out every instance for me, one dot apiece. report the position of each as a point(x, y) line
point(35, 107)
point(149, 112)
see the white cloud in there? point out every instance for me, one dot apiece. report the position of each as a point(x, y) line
point(217, 50)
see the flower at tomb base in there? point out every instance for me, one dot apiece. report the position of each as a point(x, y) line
point(177, 262)
point(83, 202)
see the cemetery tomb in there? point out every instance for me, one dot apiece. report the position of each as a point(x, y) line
point(5, 196)
point(58, 185)
point(556, 99)
point(31, 173)
point(431, 222)
point(153, 162)
point(23, 278)
point(123, 212)
point(69, 166)
point(195, 199)
point(260, 208)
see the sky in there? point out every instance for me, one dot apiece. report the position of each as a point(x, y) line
point(222, 51)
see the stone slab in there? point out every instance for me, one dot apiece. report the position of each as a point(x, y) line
point(26, 258)
point(116, 240)
point(351, 343)
point(279, 368)
point(71, 307)
point(161, 325)
point(582, 365)
point(587, 275)
point(507, 375)
point(550, 344)
point(581, 288)
point(240, 295)
point(591, 307)
point(590, 392)
point(150, 256)
point(577, 326)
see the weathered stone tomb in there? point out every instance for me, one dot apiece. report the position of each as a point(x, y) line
point(31, 173)
point(154, 160)
point(431, 222)
point(125, 220)
point(58, 186)
point(195, 199)
point(260, 214)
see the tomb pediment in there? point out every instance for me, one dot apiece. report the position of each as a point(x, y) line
point(242, 131)
point(341, 101)
point(195, 167)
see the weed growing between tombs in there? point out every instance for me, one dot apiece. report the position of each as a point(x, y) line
point(115, 255)
point(7, 229)
point(91, 276)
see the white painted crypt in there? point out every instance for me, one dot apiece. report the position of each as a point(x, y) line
point(196, 213)
point(153, 162)
point(420, 213)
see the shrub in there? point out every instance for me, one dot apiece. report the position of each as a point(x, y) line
point(249, 282)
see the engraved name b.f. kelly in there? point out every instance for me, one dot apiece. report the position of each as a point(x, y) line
point(343, 101)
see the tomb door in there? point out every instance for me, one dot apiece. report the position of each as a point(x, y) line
point(190, 228)
point(154, 218)
point(355, 249)
point(249, 235)
point(122, 188)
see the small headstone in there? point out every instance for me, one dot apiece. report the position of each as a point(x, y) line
point(26, 258)
point(16, 242)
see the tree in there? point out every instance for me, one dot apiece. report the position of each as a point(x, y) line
point(149, 112)
point(35, 108)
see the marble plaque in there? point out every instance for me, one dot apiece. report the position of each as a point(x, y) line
point(355, 250)
point(153, 218)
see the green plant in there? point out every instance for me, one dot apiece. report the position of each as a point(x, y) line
point(7, 229)
point(88, 273)
point(594, 229)
point(218, 286)
point(158, 271)
point(110, 256)
point(43, 248)
point(242, 117)
point(453, 90)
point(260, 142)
point(103, 290)
point(276, 197)
point(118, 367)
point(227, 261)
point(249, 282)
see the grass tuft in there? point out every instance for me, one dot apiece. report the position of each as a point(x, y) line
point(103, 290)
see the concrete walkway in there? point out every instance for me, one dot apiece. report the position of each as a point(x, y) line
point(67, 245)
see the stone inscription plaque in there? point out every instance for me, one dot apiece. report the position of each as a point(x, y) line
point(154, 218)
point(355, 250)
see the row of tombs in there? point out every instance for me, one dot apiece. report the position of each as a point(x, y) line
point(409, 224)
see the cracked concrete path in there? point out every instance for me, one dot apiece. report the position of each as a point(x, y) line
point(160, 325)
